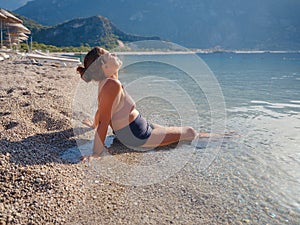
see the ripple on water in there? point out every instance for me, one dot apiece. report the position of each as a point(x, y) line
point(268, 152)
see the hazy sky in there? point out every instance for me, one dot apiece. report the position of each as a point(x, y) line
point(12, 4)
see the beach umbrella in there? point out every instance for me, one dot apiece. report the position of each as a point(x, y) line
point(14, 36)
point(23, 35)
point(18, 38)
point(10, 18)
point(18, 34)
point(15, 41)
point(23, 38)
point(18, 27)
point(2, 16)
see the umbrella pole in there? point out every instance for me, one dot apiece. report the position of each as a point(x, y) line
point(10, 44)
point(27, 45)
point(30, 43)
point(1, 34)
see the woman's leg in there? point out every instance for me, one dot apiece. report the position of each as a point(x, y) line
point(161, 136)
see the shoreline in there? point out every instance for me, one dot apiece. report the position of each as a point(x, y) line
point(183, 52)
point(204, 52)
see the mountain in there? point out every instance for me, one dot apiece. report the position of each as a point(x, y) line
point(234, 24)
point(96, 30)
point(12, 5)
point(32, 25)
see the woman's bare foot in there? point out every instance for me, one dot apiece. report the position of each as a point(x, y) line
point(202, 139)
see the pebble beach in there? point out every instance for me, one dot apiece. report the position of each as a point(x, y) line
point(37, 186)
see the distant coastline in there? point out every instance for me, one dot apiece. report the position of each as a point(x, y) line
point(158, 52)
point(203, 52)
point(257, 51)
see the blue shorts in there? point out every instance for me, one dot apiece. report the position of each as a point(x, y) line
point(136, 133)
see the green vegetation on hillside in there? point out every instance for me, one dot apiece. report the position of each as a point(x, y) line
point(78, 34)
point(51, 48)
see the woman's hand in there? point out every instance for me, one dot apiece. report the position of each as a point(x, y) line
point(88, 123)
point(89, 158)
point(94, 155)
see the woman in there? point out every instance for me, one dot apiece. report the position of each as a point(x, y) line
point(117, 109)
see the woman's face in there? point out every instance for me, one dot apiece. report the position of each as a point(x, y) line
point(111, 64)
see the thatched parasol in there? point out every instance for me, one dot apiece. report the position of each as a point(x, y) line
point(18, 27)
point(2, 16)
point(18, 39)
point(18, 34)
point(10, 18)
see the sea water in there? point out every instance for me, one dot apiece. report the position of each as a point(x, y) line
point(261, 94)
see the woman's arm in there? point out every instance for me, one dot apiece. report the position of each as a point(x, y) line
point(106, 100)
point(99, 139)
